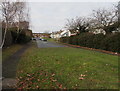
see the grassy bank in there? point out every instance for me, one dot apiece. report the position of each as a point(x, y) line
point(10, 50)
point(67, 68)
point(49, 39)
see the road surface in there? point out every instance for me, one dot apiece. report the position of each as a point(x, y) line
point(47, 44)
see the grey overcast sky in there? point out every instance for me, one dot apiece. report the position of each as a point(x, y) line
point(51, 16)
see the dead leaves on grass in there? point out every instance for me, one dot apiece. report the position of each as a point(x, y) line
point(41, 79)
point(82, 77)
point(36, 79)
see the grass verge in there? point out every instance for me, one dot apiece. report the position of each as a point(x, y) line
point(67, 68)
point(49, 39)
point(10, 50)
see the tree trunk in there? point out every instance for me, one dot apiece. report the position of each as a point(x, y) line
point(3, 40)
point(17, 35)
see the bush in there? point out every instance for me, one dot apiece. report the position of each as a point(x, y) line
point(73, 40)
point(98, 38)
point(110, 42)
point(23, 38)
point(8, 38)
point(82, 39)
point(65, 40)
point(13, 37)
point(86, 39)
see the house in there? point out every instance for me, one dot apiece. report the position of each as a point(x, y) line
point(65, 33)
point(56, 35)
point(40, 35)
point(97, 31)
point(117, 30)
point(62, 33)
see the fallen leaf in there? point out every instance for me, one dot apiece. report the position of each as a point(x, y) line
point(81, 78)
point(53, 74)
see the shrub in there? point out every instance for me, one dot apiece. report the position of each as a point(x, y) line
point(109, 42)
point(65, 39)
point(97, 41)
point(23, 38)
point(8, 38)
point(89, 40)
point(14, 35)
point(73, 40)
point(86, 39)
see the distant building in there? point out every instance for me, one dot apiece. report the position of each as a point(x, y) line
point(97, 31)
point(56, 35)
point(65, 33)
point(40, 35)
point(62, 33)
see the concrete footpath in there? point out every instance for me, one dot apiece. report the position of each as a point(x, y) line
point(9, 68)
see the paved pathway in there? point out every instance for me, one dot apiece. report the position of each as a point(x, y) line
point(9, 67)
point(47, 44)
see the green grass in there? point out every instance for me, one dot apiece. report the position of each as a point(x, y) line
point(10, 50)
point(49, 39)
point(53, 68)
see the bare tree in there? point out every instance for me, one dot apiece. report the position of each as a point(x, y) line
point(19, 17)
point(103, 18)
point(119, 11)
point(78, 24)
point(117, 7)
point(8, 11)
point(15, 14)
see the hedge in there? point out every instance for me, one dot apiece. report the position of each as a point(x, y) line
point(23, 38)
point(8, 38)
point(11, 36)
point(110, 42)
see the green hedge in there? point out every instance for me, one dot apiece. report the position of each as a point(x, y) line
point(110, 42)
point(11, 36)
point(8, 38)
point(23, 39)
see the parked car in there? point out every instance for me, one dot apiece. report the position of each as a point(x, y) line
point(43, 39)
point(33, 38)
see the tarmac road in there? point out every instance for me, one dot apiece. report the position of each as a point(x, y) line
point(47, 44)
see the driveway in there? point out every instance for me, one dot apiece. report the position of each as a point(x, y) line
point(47, 44)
